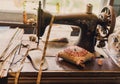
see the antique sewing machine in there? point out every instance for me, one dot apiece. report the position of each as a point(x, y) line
point(92, 27)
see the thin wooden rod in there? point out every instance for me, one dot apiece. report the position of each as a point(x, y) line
point(44, 52)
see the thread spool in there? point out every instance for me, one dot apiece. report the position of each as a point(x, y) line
point(24, 17)
point(58, 7)
point(24, 13)
point(89, 8)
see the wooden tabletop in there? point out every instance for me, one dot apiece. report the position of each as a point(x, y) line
point(60, 70)
point(54, 47)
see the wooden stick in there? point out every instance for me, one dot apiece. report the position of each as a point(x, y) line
point(44, 52)
point(5, 65)
point(10, 43)
point(20, 68)
point(17, 75)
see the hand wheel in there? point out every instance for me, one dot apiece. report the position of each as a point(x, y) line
point(106, 24)
point(106, 21)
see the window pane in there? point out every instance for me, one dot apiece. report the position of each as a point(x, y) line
point(68, 6)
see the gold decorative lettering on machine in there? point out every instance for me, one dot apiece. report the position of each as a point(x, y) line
point(92, 27)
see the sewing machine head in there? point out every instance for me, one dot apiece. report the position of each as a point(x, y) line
point(88, 23)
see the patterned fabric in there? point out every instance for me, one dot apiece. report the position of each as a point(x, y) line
point(76, 55)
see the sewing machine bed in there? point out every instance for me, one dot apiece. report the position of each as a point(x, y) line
point(63, 72)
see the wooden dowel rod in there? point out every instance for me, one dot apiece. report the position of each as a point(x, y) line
point(44, 52)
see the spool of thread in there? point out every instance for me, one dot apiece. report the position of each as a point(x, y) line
point(58, 7)
point(89, 8)
point(24, 13)
point(24, 17)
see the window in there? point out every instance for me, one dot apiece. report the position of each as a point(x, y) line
point(65, 6)
point(12, 10)
point(74, 6)
point(18, 5)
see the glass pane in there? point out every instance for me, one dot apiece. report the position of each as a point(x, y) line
point(66, 6)
point(74, 6)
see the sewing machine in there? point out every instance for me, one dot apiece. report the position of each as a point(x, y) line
point(92, 27)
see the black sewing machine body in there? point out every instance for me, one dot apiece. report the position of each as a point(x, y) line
point(86, 21)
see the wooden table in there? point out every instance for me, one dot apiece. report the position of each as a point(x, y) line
point(62, 72)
